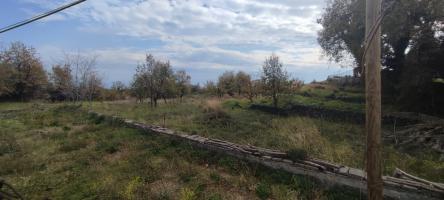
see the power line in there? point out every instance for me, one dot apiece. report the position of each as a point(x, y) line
point(43, 15)
point(373, 30)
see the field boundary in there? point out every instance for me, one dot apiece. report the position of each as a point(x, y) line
point(403, 186)
point(401, 118)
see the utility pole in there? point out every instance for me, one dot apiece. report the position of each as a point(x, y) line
point(373, 100)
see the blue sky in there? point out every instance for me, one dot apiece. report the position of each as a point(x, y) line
point(203, 37)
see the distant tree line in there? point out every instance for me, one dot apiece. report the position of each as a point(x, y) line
point(75, 79)
point(412, 48)
point(274, 81)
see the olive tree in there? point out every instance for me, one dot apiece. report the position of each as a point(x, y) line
point(154, 79)
point(274, 78)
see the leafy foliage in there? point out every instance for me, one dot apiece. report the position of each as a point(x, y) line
point(412, 49)
point(274, 78)
point(22, 74)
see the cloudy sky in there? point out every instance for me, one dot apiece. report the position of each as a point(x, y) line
point(203, 37)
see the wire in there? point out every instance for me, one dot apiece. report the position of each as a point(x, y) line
point(371, 35)
point(35, 18)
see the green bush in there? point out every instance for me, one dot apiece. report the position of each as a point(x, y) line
point(263, 190)
point(187, 194)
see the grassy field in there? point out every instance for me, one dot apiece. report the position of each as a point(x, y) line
point(230, 119)
point(55, 151)
point(327, 96)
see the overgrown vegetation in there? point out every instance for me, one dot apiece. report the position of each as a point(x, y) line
point(412, 48)
point(71, 156)
point(232, 120)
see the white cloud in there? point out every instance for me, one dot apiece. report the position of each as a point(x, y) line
point(196, 32)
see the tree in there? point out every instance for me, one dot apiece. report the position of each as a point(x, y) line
point(117, 90)
point(257, 87)
point(93, 86)
point(408, 25)
point(227, 83)
point(154, 79)
point(274, 77)
point(210, 88)
point(295, 85)
point(24, 76)
point(195, 89)
point(164, 81)
point(85, 78)
point(183, 83)
point(60, 83)
point(6, 83)
point(242, 82)
point(138, 88)
point(143, 83)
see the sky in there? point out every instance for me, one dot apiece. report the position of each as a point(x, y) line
point(203, 37)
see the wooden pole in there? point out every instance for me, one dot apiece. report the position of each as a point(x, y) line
point(373, 101)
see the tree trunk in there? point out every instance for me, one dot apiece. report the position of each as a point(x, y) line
point(275, 100)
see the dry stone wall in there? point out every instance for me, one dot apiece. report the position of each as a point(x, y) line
point(400, 187)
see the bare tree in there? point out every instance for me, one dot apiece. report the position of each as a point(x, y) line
point(86, 80)
point(93, 86)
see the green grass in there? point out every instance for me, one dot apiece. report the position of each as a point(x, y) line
point(339, 142)
point(59, 152)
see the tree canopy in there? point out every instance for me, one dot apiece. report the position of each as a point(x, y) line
point(274, 77)
point(412, 46)
point(22, 74)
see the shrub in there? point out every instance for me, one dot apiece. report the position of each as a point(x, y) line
point(263, 190)
point(132, 187)
point(232, 104)
point(214, 113)
point(187, 194)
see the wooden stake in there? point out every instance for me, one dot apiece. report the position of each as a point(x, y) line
point(373, 102)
